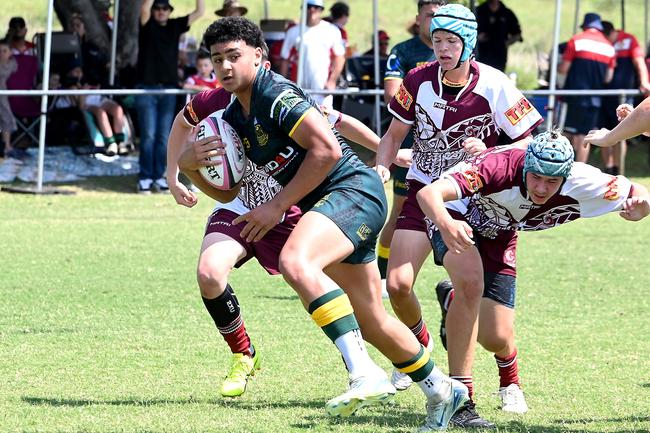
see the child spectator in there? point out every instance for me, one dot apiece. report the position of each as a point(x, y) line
point(7, 122)
point(205, 78)
point(112, 129)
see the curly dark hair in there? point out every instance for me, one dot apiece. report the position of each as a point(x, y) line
point(230, 29)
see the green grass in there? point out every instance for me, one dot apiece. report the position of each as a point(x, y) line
point(102, 328)
point(536, 18)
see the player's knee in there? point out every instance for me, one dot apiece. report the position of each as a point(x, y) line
point(469, 285)
point(212, 280)
point(497, 339)
point(293, 268)
point(398, 285)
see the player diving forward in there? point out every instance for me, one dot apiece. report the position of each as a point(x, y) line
point(478, 207)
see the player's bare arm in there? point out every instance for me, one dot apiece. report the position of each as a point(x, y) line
point(456, 234)
point(388, 147)
point(391, 86)
point(178, 137)
point(636, 123)
point(637, 206)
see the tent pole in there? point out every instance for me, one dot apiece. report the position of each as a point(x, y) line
point(375, 39)
point(301, 51)
point(46, 82)
point(116, 15)
point(554, 61)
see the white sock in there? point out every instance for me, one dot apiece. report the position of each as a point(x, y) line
point(354, 353)
point(434, 386)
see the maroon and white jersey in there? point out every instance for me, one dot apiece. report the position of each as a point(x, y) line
point(488, 105)
point(494, 200)
point(257, 187)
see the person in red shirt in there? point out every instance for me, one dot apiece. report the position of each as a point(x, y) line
point(630, 72)
point(588, 62)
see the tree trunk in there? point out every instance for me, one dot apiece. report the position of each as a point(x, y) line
point(98, 32)
point(127, 34)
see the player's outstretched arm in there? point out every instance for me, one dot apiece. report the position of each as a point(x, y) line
point(456, 234)
point(354, 130)
point(634, 124)
point(637, 206)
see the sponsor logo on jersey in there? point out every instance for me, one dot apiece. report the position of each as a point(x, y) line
point(280, 160)
point(283, 104)
point(444, 107)
point(612, 191)
point(262, 137)
point(363, 232)
point(191, 112)
point(247, 144)
point(404, 98)
point(519, 111)
point(474, 182)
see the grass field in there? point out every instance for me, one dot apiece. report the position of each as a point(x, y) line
point(102, 328)
point(536, 17)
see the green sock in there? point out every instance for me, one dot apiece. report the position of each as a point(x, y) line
point(120, 137)
point(109, 140)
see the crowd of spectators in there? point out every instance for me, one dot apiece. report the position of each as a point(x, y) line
point(168, 57)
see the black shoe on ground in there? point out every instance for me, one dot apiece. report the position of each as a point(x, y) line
point(467, 417)
point(442, 292)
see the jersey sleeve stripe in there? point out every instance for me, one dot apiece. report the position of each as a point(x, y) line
point(400, 118)
point(299, 121)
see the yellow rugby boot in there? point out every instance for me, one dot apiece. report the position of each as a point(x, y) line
point(242, 367)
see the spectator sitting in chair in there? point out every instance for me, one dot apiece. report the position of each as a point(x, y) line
point(109, 116)
point(16, 37)
point(7, 122)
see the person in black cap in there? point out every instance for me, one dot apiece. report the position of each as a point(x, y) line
point(588, 61)
point(157, 69)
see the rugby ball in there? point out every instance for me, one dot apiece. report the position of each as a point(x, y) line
point(230, 172)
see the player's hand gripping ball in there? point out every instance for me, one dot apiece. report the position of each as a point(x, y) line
point(230, 171)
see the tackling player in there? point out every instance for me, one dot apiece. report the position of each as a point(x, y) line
point(479, 206)
point(343, 207)
point(455, 108)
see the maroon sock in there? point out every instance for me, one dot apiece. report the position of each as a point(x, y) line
point(468, 381)
point(421, 333)
point(508, 369)
point(225, 312)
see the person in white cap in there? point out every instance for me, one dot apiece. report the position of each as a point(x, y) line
point(324, 55)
